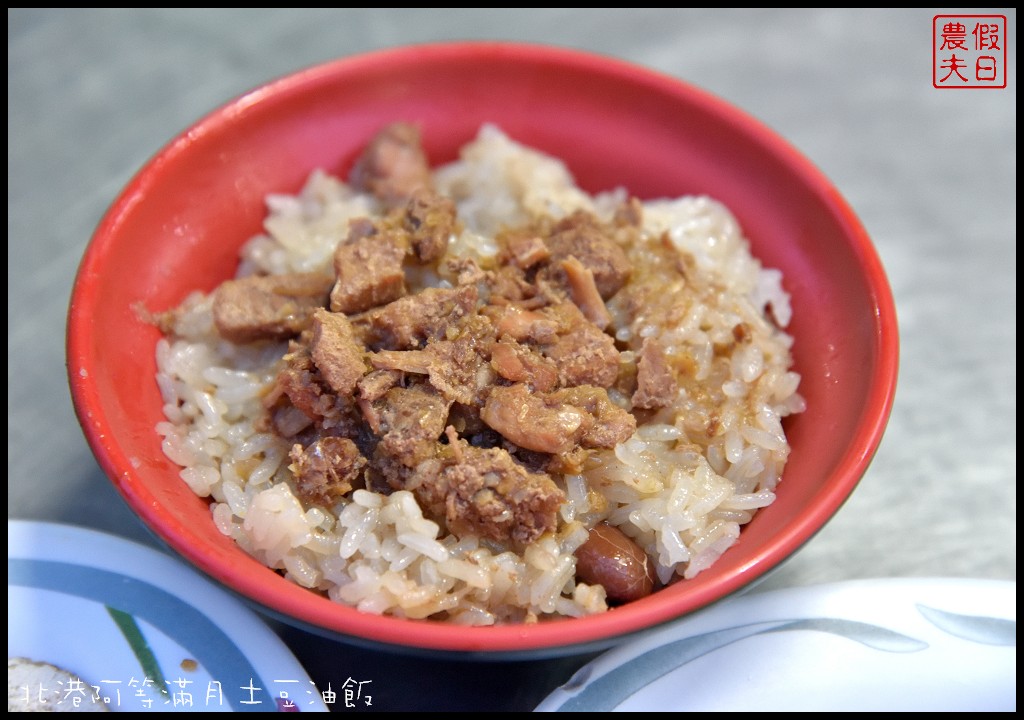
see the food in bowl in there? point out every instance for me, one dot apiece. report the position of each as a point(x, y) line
point(479, 394)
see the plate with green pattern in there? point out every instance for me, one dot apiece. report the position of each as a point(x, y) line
point(136, 629)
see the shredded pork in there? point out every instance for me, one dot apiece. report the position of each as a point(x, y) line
point(456, 393)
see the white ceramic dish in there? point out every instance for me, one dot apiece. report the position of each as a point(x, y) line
point(115, 613)
point(892, 644)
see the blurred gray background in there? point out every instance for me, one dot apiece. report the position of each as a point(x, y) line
point(92, 94)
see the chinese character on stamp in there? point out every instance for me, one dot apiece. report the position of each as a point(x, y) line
point(969, 51)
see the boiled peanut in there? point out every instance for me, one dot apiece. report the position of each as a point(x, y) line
point(610, 558)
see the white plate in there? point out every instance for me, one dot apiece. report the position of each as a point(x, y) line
point(873, 645)
point(115, 613)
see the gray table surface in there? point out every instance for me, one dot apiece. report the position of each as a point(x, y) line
point(92, 94)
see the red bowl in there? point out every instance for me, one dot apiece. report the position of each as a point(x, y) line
point(180, 222)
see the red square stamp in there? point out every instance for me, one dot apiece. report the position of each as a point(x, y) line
point(969, 51)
